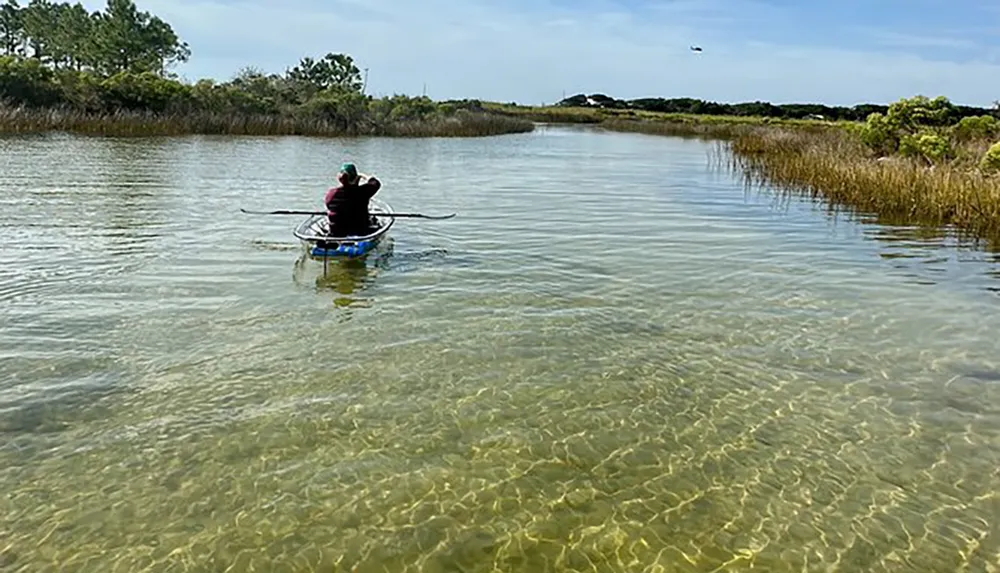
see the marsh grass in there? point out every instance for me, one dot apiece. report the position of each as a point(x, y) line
point(645, 121)
point(142, 123)
point(460, 125)
point(555, 114)
point(679, 128)
point(827, 161)
point(834, 166)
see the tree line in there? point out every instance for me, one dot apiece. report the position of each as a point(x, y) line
point(757, 108)
point(120, 38)
point(119, 59)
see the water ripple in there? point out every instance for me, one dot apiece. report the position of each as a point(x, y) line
point(612, 359)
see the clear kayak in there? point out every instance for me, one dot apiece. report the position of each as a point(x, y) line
point(314, 233)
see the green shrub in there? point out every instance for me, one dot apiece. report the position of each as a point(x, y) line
point(929, 146)
point(145, 91)
point(976, 127)
point(879, 134)
point(81, 90)
point(347, 111)
point(909, 114)
point(25, 81)
point(991, 159)
point(918, 127)
point(412, 109)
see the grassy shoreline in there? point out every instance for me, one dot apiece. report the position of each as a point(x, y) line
point(833, 167)
point(824, 160)
point(932, 175)
point(487, 119)
point(624, 117)
point(23, 120)
point(67, 69)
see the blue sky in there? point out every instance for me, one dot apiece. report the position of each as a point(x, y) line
point(837, 52)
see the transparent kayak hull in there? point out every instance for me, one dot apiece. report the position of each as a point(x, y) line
point(313, 234)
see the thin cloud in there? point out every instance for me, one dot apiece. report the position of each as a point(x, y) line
point(534, 52)
point(910, 40)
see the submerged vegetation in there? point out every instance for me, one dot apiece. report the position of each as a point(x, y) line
point(107, 72)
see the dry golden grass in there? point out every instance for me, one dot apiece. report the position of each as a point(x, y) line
point(137, 123)
point(834, 166)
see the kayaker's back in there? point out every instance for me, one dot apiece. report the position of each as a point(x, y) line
point(347, 207)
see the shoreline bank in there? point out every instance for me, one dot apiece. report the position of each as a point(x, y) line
point(24, 120)
point(833, 161)
point(934, 174)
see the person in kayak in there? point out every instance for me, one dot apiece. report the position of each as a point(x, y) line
point(347, 204)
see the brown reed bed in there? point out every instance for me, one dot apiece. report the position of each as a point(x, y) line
point(708, 126)
point(676, 124)
point(144, 123)
point(678, 128)
point(554, 114)
point(834, 166)
point(460, 125)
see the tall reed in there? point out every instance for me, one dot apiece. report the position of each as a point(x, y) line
point(460, 125)
point(833, 165)
point(679, 128)
point(143, 123)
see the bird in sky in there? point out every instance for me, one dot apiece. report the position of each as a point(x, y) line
point(695, 48)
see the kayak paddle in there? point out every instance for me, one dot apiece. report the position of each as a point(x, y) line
point(293, 212)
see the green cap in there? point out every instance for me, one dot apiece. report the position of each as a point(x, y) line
point(350, 170)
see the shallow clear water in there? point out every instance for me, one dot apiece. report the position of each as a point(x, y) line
point(613, 359)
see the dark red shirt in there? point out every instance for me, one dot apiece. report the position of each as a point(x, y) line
point(347, 205)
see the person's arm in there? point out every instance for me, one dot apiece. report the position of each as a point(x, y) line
point(371, 186)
